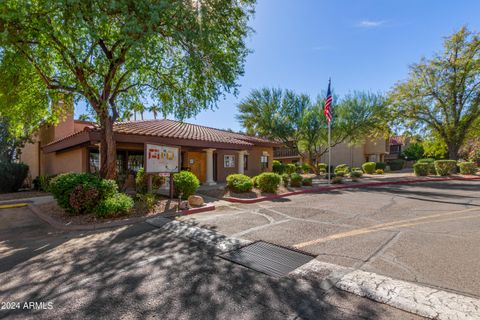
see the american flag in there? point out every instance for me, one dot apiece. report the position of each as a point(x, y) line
point(327, 110)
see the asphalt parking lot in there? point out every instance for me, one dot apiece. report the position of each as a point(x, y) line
point(427, 233)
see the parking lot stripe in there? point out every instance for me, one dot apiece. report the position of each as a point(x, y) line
point(389, 225)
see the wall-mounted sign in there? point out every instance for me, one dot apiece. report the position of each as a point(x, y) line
point(161, 159)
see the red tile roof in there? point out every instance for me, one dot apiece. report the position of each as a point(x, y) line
point(179, 130)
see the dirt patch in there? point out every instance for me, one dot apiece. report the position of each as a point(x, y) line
point(52, 209)
point(22, 195)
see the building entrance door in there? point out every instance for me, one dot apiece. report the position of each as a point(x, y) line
point(197, 163)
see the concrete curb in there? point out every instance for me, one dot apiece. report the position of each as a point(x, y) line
point(328, 188)
point(206, 236)
point(105, 225)
point(420, 300)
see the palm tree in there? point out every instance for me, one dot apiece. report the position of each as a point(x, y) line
point(154, 109)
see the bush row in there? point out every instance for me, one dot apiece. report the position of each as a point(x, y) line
point(425, 167)
point(12, 176)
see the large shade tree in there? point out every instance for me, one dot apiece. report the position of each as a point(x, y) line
point(181, 55)
point(299, 123)
point(442, 94)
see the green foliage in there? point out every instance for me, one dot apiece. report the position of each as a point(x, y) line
point(369, 167)
point(337, 180)
point(380, 165)
point(83, 199)
point(421, 169)
point(185, 183)
point(254, 181)
point(63, 185)
point(285, 179)
point(180, 55)
point(355, 174)
point(467, 168)
point(322, 167)
point(239, 182)
point(290, 168)
point(445, 167)
point(435, 148)
point(299, 123)
point(342, 168)
point(413, 151)
point(269, 182)
point(12, 176)
point(306, 168)
point(307, 181)
point(426, 160)
point(379, 171)
point(295, 180)
point(397, 164)
point(278, 167)
point(340, 173)
point(434, 99)
point(147, 200)
point(117, 205)
point(357, 169)
point(141, 181)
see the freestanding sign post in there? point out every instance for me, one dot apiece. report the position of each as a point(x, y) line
point(161, 159)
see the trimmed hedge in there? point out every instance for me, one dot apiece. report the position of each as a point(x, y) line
point(296, 180)
point(369, 167)
point(426, 160)
point(395, 165)
point(12, 176)
point(285, 179)
point(290, 168)
point(306, 168)
point(380, 165)
point(116, 205)
point(467, 167)
point(355, 174)
point(322, 167)
point(269, 182)
point(342, 168)
point(307, 182)
point(421, 169)
point(239, 182)
point(278, 167)
point(445, 167)
point(185, 183)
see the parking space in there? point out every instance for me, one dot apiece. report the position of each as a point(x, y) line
point(426, 233)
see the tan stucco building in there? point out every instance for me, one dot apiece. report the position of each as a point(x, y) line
point(211, 154)
point(344, 153)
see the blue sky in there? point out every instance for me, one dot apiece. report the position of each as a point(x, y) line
point(361, 44)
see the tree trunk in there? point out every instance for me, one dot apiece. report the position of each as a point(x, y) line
point(108, 148)
point(453, 149)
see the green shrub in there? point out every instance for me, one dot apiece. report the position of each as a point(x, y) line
point(467, 167)
point(340, 173)
point(445, 167)
point(342, 167)
point(185, 183)
point(322, 167)
point(395, 165)
point(306, 168)
point(413, 151)
point(426, 160)
point(239, 182)
point(141, 181)
point(430, 163)
point(12, 176)
point(254, 181)
point(369, 167)
point(337, 180)
point(298, 168)
point(269, 181)
point(421, 169)
point(307, 182)
point(278, 167)
point(42, 183)
point(379, 171)
point(295, 180)
point(355, 174)
point(117, 205)
point(357, 169)
point(83, 199)
point(64, 184)
point(285, 179)
point(380, 165)
point(290, 168)
point(147, 200)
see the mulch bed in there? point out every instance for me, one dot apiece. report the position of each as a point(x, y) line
point(166, 206)
point(22, 195)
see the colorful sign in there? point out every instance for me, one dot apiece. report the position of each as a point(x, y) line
point(161, 159)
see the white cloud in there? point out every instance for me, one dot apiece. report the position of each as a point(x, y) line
point(371, 23)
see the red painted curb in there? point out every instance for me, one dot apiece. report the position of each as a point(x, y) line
point(198, 210)
point(327, 188)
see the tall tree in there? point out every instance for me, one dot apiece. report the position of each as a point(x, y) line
point(182, 55)
point(442, 94)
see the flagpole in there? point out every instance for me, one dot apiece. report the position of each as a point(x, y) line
point(329, 154)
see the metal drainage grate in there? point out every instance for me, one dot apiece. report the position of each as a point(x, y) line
point(268, 258)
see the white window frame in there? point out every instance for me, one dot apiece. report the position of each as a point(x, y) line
point(229, 161)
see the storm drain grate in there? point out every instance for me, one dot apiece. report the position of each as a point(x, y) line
point(268, 258)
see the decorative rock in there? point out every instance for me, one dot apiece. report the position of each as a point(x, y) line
point(195, 201)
